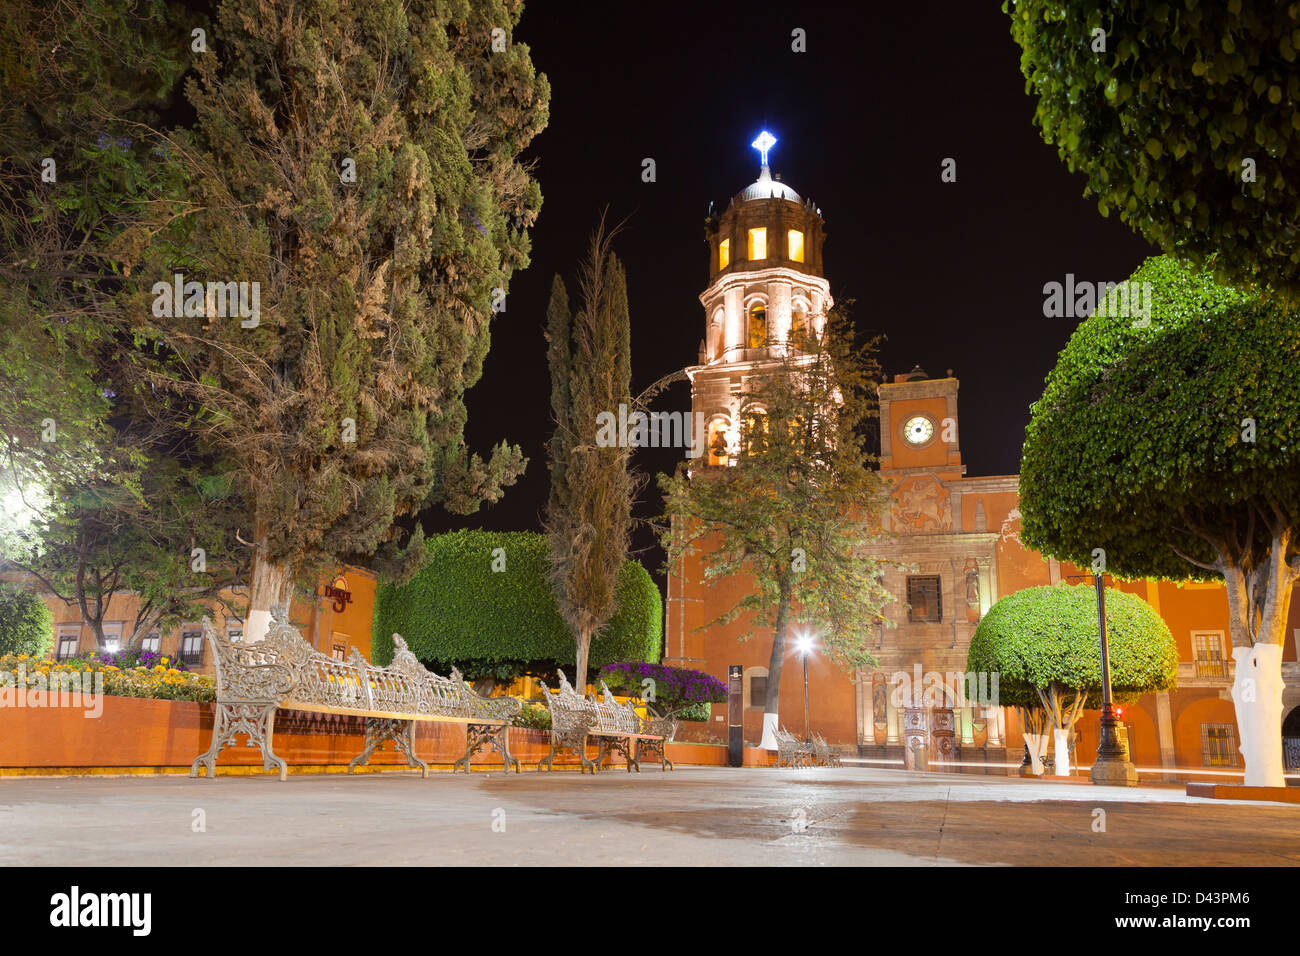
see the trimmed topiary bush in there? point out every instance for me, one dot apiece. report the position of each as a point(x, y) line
point(26, 626)
point(1046, 636)
point(481, 603)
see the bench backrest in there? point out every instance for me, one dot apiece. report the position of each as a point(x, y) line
point(285, 669)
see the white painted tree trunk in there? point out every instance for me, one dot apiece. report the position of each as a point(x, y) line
point(1257, 696)
point(1037, 747)
point(272, 584)
point(1062, 752)
point(769, 732)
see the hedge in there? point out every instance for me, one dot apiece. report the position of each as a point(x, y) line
point(1048, 634)
point(458, 611)
point(26, 626)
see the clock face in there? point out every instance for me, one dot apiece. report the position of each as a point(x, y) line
point(918, 430)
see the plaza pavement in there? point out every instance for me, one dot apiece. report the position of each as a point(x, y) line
point(694, 816)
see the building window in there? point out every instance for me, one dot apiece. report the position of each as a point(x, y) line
point(192, 644)
point(1207, 646)
point(339, 653)
point(234, 630)
point(758, 243)
point(339, 645)
point(724, 253)
point(112, 637)
point(757, 326)
point(1218, 745)
point(152, 642)
point(69, 640)
point(757, 691)
point(795, 240)
point(924, 599)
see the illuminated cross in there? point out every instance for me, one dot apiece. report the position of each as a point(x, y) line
point(764, 142)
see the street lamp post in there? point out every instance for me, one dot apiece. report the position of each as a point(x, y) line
point(805, 645)
point(1112, 766)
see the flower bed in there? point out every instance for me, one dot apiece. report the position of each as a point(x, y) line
point(159, 681)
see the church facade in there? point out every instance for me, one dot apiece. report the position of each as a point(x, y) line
point(954, 543)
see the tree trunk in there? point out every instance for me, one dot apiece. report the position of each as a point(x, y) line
point(272, 585)
point(1258, 630)
point(772, 703)
point(580, 670)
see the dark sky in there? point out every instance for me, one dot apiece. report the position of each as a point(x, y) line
point(951, 273)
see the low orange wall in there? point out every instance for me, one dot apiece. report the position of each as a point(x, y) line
point(134, 733)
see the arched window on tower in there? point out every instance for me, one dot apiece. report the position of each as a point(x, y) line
point(755, 438)
point(718, 451)
point(757, 337)
point(798, 323)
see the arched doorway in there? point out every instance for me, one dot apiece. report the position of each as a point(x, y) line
point(1291, 740)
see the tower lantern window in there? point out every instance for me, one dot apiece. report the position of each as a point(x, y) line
point(758, 243)
point(795, 240)
point(724, 254)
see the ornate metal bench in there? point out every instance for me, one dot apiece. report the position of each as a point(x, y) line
point(824, 754)
point(791, 751)
point(284, 672)
point(615, 726)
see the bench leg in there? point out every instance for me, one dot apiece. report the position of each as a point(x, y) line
point(495, 736)
point(655, 748)
point(256, 719)
point(380, 730)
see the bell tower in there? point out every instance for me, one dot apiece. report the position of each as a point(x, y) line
point(765, 289)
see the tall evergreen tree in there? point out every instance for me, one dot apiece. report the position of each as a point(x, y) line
point(798, 508)
point(589, 513)
point(360, 163)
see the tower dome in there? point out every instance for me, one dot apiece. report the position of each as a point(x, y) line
point(765, 187)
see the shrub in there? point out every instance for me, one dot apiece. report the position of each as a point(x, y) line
point(26, 626)
point(459, 612)
point(676, 690)
point(535, 716)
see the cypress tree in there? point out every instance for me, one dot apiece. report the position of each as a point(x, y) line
point(589, 513)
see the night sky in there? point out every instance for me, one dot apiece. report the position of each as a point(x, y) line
point(950, 273)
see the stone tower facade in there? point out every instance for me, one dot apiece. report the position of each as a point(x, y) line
point(765, 286)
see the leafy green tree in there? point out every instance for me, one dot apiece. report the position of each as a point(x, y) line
point(361, 164)
point(80, 80)
point(1182, 116)
point(798, 510)
point(1171, 449)
point(1044, 646)
point(482, 603)
point(26, 626)
point(589, 513)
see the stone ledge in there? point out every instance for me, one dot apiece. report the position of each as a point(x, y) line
point(1239, 791)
